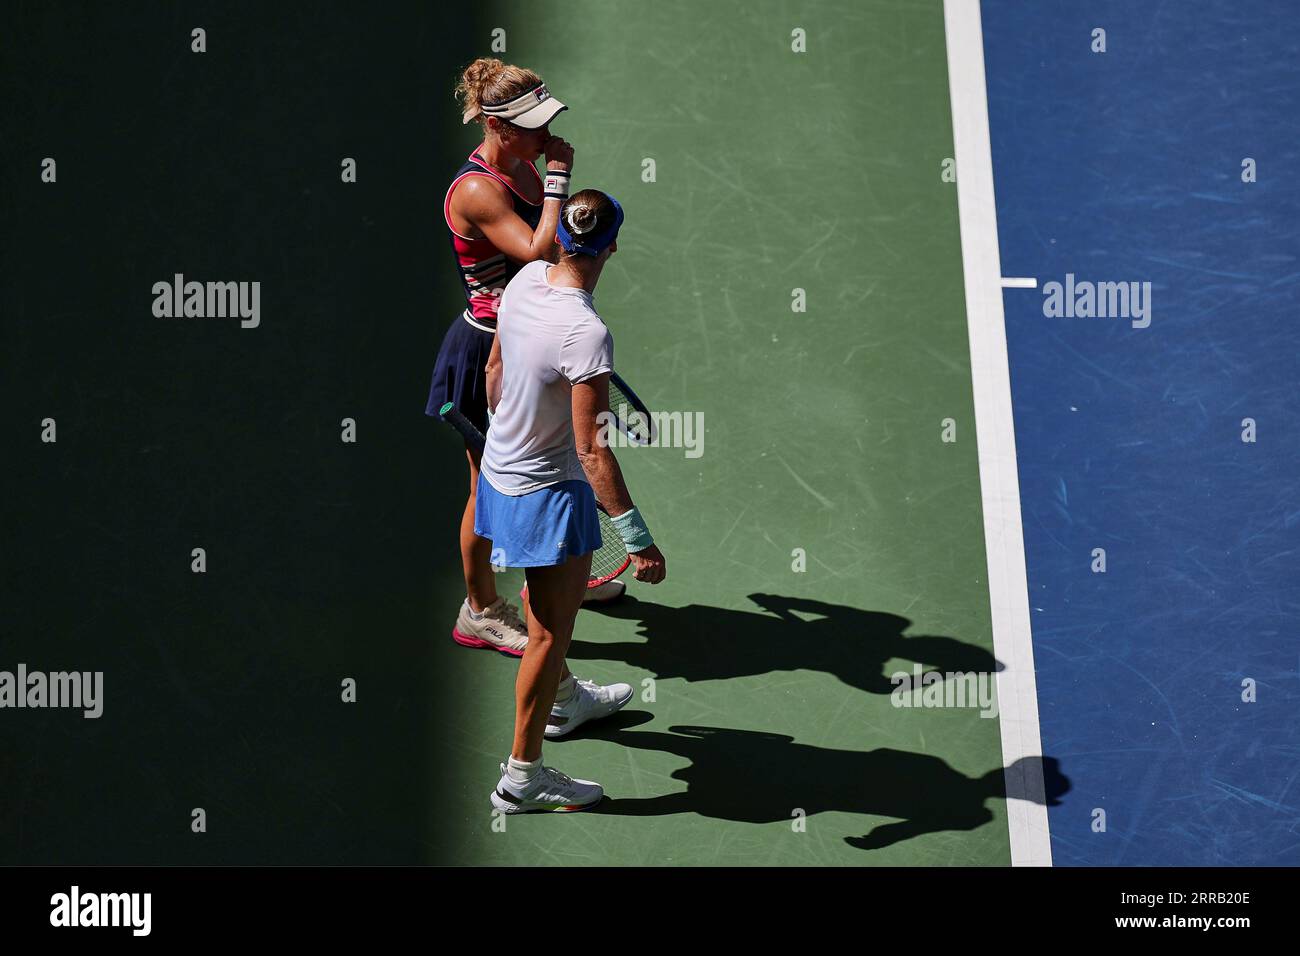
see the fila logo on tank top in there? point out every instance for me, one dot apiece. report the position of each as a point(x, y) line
point(484, 269)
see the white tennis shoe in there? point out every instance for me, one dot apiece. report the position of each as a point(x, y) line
point(590, 701)
point(498, 629)
point(604, 593)
point(548, 790)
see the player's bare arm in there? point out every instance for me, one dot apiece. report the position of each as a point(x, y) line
point(493, 370)
point(590, 408)
point(484, 206)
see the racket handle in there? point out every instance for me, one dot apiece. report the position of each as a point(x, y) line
point(454, 417)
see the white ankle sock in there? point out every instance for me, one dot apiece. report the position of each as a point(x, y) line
point(521, 772)
point(473, 614)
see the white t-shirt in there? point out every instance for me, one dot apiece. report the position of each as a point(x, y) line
point(551, 339)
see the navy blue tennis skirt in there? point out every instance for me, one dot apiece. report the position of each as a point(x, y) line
point(458, 373)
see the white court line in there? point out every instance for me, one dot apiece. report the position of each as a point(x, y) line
point(995, 433)
point(1011, 282)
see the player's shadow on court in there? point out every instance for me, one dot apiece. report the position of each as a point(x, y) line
point(698, 642)
point(753, 777)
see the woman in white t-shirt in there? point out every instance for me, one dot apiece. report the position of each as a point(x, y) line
point(544, 466)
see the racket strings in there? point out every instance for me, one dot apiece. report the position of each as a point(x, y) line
point(610, 559)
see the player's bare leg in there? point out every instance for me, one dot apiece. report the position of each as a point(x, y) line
point(554, 596)
point(485, 620)
point(475, 551)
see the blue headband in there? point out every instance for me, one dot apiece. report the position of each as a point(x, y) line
point(591, 245)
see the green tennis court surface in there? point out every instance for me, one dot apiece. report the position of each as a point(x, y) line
point(774, 171)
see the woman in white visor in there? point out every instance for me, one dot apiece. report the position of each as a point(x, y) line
point(500, 214)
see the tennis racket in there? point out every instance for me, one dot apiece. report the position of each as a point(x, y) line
point(630, 413)
point(610, 559)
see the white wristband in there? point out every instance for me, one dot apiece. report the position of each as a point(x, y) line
point(556, 184)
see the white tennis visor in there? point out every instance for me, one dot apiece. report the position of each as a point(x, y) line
point(531, 110)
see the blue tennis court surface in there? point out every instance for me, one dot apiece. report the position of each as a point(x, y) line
point(1127, 167)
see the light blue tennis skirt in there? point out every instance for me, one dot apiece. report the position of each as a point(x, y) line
point(544, 527)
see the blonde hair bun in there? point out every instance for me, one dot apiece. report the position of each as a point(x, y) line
point(489, 80)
